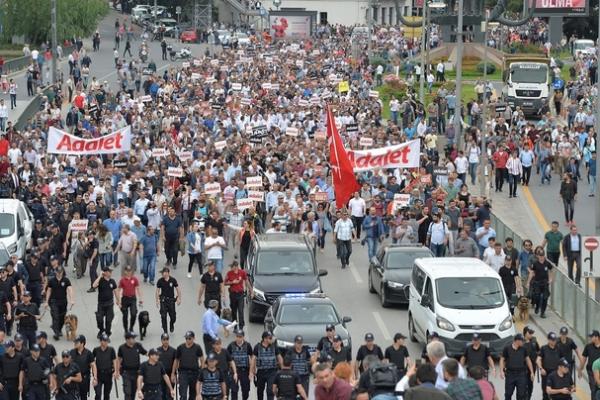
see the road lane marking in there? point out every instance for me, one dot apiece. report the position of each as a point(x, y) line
point(382, 327)
point(355, 273)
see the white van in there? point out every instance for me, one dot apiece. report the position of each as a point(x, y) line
point(586, 47)
point(457, 297)
point(16, 226)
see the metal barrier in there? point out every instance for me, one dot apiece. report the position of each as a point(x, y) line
point(33, 107)
point(21, 63)
point(566, 298)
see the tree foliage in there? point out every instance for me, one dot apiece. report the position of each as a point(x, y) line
point(32, 18)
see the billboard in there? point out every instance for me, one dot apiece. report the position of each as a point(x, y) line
point(561, 8)
point(290, 26)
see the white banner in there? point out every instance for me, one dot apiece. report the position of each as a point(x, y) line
point(244, 204)
point(405, 155)
point(254, 182)
point(175, 172)
point(61, 142)
point(256, 195)
point(212, 188)
point(78, 225)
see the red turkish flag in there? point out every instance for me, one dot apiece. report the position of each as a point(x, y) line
point(344, 181)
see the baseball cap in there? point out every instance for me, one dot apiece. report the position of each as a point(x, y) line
point(164, 336)
point(369, 337)
point(38, 221)
point(104, 337)
point(213, 304)
point(518, 336)
point(152, 352)
point(130, 335)
point(41, 334)
point(552, 336)
point(266, 334)
point(34, 347)
point(298, 338)
point(27, 293)
point(476, 336)
point(329, 327)
point(528, 329)
point(399, 336)
point(563, 362)
point(18, 337)
point(80, 339)
point(564, 330)
point(65, 353)
point(594, 333)
point(217, 340)
point(211, 357)
point(337, 338)
point(239, 332)
point(189, 334)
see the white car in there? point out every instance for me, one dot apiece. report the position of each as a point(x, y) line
point(169, 23)
point(243, 39)
point(16, 226)
point(585, 47)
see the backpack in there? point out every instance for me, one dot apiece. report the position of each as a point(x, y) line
point(383, 376)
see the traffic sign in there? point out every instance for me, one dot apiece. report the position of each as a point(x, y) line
point(590, 249)
point(591, 244)
point(178, 10)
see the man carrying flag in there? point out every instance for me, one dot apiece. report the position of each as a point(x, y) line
point(344, 184)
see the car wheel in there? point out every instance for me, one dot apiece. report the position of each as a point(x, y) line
point(371, 287)
point(411, 329)
point(383, 297)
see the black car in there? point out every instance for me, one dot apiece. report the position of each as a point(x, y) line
point(280, 264)
point(306, 315)
point(390, 269)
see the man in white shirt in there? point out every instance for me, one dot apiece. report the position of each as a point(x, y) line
point(494, 258)
point(438, 236)
point(440, 72)
point(3, 115)
point(214, 246)
point(358, 208)
point(462, 166)
point(436, 352)
point(342, 238)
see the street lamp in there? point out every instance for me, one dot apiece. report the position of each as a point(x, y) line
point(425, 19)
point(457, 117)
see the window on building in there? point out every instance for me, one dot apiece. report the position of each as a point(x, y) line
point(375, 14)
point(383, 10)
point(323, 18)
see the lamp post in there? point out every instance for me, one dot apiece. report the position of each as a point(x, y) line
point(54, 43)
point(459, 55)
point(427, 5)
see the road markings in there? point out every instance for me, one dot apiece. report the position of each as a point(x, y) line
point(382, 327)
point(355, 273)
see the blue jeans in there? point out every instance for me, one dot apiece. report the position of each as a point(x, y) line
point(106, 259)
point(149, 267)
point(592, 184)
point(543, 167)
point(395, 117)
point(218, 264)
point(372, 244)
point(473, 172)
point(439, 250)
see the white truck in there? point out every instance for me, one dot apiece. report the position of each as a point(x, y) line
point(526, 83)
point(585, 47)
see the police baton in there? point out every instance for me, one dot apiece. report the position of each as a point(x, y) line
point(574, 373)
point(116, 387)
point(175, 384)
point(537, 371)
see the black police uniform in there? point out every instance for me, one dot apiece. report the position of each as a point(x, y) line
point(397, 357)
point(343, 355)
point(167, 299)
point(48, 352)
point(557, 382)
point(241, 357)
point(27, 323)
point(6, 286)
point(152, 375)
point(364, 351)
point(301, 364)
point(166, 357)
point(266, 367)
point(540, 286)
point(105, 313)
point(212, 288)
point(592, 353)
point(188, 369)
point(325, 345)
point(286, 380)
point(211, 384)
point(68, 391)
point(104, 367)
point(84, 361)
point(34, 283)
point(58, 302)
point(10, 368)
point(479, 357)
point(130, 364)
point(224, 360)
point(516, 371)
point(533, 348)
point(566, 349)
point(3, 310)
point(550, 356)
point(36, 378)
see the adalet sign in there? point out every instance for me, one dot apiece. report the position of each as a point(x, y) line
point(405, 155)
point(61, 142)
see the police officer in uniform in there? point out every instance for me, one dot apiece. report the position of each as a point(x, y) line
point(477, 354)
point(36, 278)
point(129, 360)
point(300, 359)
point(188, 360)
point(211, 382)
point(225, 363)
point(65, 379)
point(167, 295)
point(9, 286)
point(20, 345)
point(59, 293)
point(84, 360)
point(166, 356)
point(47, 350)
point(547, 360)
point(104, 368)
point(27, 314)
point(287, 384)
point(326, 342)
point(539, 282)
point(567, 346)
point(265, 365)
point(242, 354)
point(107, 294)
point(515, 365)
point(151, 377)
point(36, 370)
point(560, 383)
point(338, 353)
point(11, 364)
point(533, 349)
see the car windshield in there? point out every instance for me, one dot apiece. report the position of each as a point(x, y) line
point(285, 262)
point(470, 293)
point(405, 259)
point(307, 314)
point(530, 73)
point(7, 225)
point(583, 44)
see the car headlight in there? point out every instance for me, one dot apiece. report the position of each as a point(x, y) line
point(259, 295)
point(395, 285)
point(316, 290)
point(283, 343)
point(506, 324)
point(444, 324)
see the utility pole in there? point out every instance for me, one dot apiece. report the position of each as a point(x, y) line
point(54, 42)
point(482, 183)
point(459, 55)
point(597, 199)
point(423, 50)
point(370, 29)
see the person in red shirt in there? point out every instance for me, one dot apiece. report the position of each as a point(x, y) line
point(237, 280)
point(4, 145)
point(129, 292)
point(500, 159)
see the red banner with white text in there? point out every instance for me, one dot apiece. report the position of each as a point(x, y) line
point(61, 142)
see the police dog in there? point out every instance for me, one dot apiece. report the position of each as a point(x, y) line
point(143, 321)
point(71, 324)
point(522, 309)
point(226, 314)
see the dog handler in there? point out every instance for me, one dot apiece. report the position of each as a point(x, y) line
point(59, 294)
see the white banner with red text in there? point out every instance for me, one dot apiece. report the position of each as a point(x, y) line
point(405, 155)
point(61, 142)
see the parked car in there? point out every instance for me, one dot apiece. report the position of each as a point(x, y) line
point(189, 36)
point(16, 226)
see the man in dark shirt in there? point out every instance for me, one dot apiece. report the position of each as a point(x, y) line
point(167, 295)
point(11, 364)
point(84, 360)
point(591, 352)
point(166, 356)
point(477, 354)
point(59, 293)
point(397, 354)
point(326, 342)
point(172, 230)
point(301, 361)
point(287, 384)
point(212, 285)
point(539, 282)
point(107, 292)
point(548, 360)
point(35, 370)
point(242, 354)
point(225, 363)
point(188, 359)
point(559, 384)
point(338, 352)
point(46, 349)
point(514, 368)
point(66, 379)
point(129, 355)
point(104, 368)
point(151, 376)
point(369, 348)
point(27, 314)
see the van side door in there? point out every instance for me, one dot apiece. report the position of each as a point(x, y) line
point(428, 305)
point(417, 285)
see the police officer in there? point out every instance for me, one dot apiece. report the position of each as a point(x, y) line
point(84, 360)
point(538, 282)
point(477, 354)
point(287, 384)
point(20, 345)
point(547, 360)
point(167, 295)
point(47, 350)
point(560, 385)
point(151, 377)
point(129, 360)
point(241, 351)
point(591, 353)
point(107, 295)
point(515, 365)
point(36, 371)
point(166, 356)
point(65, 379)
point(188, 360)
point(225, 363)
point(367, 349)
point(104, 368)
point(211, 382)
point(59, 293)
point(9, 286)
point(326, 342)
point(300, 359)
point(339, 353)
point(27, 314)
point(36, 278)
point(567, 346)
point(11, 364)
point(265, 365)
point(533, 348)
